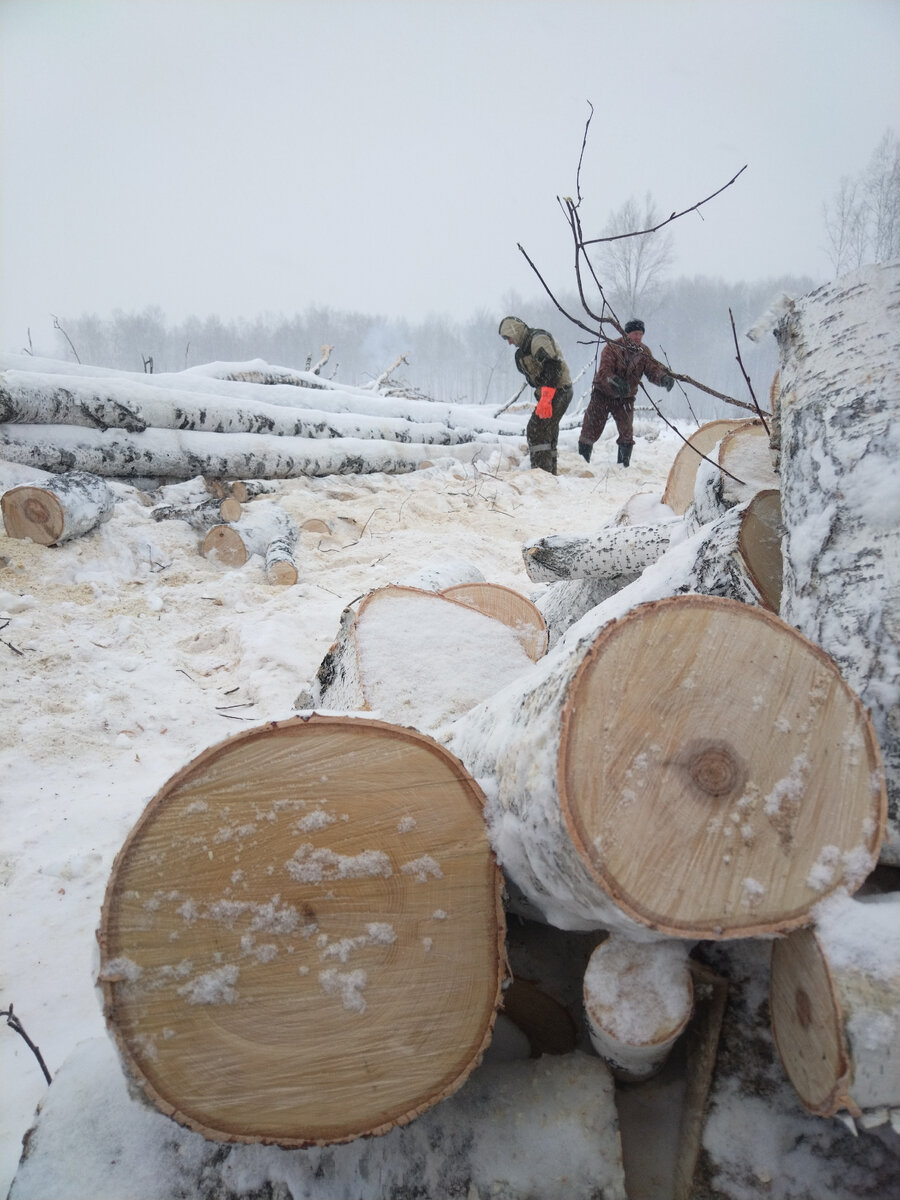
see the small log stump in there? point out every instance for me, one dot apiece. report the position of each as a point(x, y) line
point(302, 938)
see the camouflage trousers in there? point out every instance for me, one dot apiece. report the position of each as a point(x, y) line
point(543, 432)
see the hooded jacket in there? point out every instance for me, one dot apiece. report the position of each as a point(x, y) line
point(538, 357)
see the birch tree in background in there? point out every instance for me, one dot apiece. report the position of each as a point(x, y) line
point(635, 267)
point(862, 220)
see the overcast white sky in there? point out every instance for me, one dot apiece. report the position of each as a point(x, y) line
point(243, 157)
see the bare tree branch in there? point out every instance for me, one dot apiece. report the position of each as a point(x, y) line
point(740, 361)
point(14, 1023)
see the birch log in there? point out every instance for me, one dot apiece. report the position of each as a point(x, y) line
point(262, 526)
point(839, 404)
point(679, 489)
point(507, 606)
point(638, 998)
point(835, 1003)
point(203, 515)
point(696, 768)
point(280, 565)
point(34, 399)
point(302, 937)
point(57, 509)
point(177, 454)
point(612, 550)
point(416, 658)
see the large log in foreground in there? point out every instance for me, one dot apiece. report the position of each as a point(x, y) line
point(57, 509)
point(835, 1003)
point(697, 768)
point(302, 938)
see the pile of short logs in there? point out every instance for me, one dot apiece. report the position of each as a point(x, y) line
point(303, 938)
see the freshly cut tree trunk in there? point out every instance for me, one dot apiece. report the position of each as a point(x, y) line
point(265, 524)
point(638, 998)
point(280, 565)
point(302, 937)
point(508, 606)
point(415, 657)
point(200, 516)
point(696, 768)
point(679, 490)
point(835, 1003)
point(759, 544)
point(612, 550)
point(248, 489)
point(746, 455)
point(57, 509)
point(840, 492)
point(177, 454)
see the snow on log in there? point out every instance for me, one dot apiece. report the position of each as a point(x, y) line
point(835, 1003)
point(265, 524)
point(725, 557)
point(839, 403)
point(745, 454)
point(679, 489)
point(508, 606)
point(416, 658)
point(696, 768)
point(638, 998)
point(203, 515)
point(612, 550)
point(280, 566)
point(436, 576)
point(33, 399)
point(302, 937)
point(539, 1130)
point(181, 454)
point(57, 509)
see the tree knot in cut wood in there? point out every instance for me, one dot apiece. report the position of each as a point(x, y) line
point(804, 1007)
point(715, 767)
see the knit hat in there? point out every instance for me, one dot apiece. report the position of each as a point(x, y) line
point(634, 326)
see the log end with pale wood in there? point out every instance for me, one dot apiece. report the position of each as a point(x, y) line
point(835, 1003)
point(510, 607)
point(58, 509)
point(679, 489)
point(697, 768)
point(302, 938)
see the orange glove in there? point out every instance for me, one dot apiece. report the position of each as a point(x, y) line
point(545, 407)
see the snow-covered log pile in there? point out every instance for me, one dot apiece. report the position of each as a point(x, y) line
point(219, 421)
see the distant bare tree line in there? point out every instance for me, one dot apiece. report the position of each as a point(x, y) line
point(451, 361)
point(862, 219)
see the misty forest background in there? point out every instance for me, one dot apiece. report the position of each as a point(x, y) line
point(689, 320)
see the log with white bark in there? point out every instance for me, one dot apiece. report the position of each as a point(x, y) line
point(280, 565)
point(839, 404)
point(265, 524)
point(177, 454)
point(302, 937)
point(638, 998)
point(57, 509)
point(539, 1130)
point(225, 380)
point(436, 576)
point(686, 769)
point(730, 557)
point(416, 658)
point(679, 489)
point(612, 550)
point(506, 605)
point(203, 515)
point(835, 1003)
point(33, 399)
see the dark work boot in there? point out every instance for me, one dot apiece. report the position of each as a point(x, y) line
point(625, 454)
point(584, 449)
point(621, 455)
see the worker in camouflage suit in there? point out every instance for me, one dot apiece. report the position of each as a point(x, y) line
point(540, 360)
point(615, 386)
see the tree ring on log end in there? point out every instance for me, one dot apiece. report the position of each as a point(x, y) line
point(715, 767)
point(716, 774)
point(302, 940)
point(33, 512)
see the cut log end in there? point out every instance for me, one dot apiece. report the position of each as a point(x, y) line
point(33, 513)
point(224, 545)
point(302, 939)
point(757, 807)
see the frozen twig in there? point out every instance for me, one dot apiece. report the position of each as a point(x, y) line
point(14, 1023)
